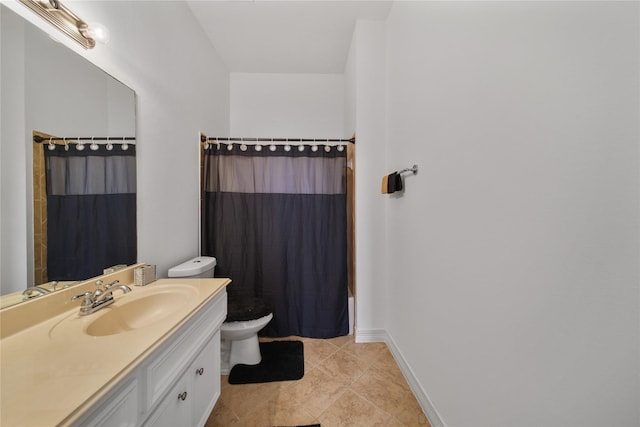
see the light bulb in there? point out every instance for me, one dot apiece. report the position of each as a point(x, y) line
point(99, 33)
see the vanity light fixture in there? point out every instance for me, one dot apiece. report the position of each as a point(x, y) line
point(63, 19)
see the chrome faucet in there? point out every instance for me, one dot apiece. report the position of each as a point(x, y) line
point(100, 298)
point(108, 293)
point(35, 291)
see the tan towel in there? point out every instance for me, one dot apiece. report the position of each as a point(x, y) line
point(385, 184)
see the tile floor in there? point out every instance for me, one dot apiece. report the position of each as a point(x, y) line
point(345, 384)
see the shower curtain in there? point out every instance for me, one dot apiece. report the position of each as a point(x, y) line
point(91, 210)
point(274, 217)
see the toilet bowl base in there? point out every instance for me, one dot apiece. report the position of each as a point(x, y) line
point(246, 351)
point(240, 342)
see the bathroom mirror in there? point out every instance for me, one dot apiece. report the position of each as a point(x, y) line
point(45, 87)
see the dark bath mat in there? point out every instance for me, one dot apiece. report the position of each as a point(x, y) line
point(310, 425)
point(281, 361)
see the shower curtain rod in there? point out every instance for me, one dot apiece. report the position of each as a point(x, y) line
point(39, 139)
point(204, 138)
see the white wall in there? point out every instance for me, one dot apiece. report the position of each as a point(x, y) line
point(286, 105)
point(349, 97)
point(180, 92)
point(13, 177)
point(365, 115)
point(513, 254)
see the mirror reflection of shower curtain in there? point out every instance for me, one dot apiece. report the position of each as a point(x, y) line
point(91, 210)
point(275, 220)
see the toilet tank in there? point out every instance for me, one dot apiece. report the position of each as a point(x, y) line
point(202, 266)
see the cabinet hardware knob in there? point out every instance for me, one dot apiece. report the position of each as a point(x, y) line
point(183, 395)
point(200, 371)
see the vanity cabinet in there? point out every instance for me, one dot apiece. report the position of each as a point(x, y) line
point(190, 401)
point(178, 384)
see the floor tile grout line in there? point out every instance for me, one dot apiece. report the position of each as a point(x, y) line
point(332, 403)
point(375, 405)
point(323, 360)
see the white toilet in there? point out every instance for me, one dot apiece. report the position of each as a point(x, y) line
point(202, 266)
point(239, 333)
point(240, 342)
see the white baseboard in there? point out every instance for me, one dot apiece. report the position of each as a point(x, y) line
point(381, 335)
point(371, 335)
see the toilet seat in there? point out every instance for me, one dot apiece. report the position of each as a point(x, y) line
point(245, 309)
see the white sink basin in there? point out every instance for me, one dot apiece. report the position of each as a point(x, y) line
point(138, 313)
point(130, 312)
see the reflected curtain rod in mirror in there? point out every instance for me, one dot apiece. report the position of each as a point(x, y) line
point(39, 139)
point(63, 19)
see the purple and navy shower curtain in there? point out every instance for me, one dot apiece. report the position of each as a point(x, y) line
point(274, 217)
point(91, 210)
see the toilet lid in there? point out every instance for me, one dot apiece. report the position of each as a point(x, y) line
point(246, 309)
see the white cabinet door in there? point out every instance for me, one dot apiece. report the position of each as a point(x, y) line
point(205, 372)
point(175, 408)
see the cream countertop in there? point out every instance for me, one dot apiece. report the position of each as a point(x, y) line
point(18, 297)
point(52, 369)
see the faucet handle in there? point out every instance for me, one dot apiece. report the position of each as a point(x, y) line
point(108, 285)
point(86, 295)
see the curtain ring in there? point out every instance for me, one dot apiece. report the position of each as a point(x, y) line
point(66, 144)
point(287, 147)
point(109, 145)
point(301, 147)
point(243, 147)
point(258, 147)
point(340, 147)
point(93, 145)
point(79, 145)
point(230, 146)
point(327, 148)
point(52, 146)
point(314, 148)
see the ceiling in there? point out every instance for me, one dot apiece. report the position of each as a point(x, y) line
point(266, 36)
